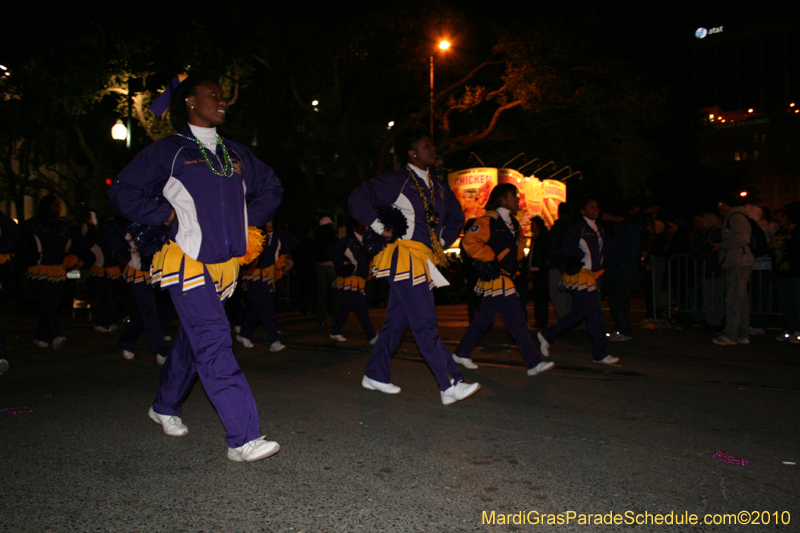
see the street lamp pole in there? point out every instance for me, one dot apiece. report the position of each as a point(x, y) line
point(443, 45)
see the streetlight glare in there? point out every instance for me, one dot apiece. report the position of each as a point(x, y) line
point(444, 45)
point(3, 67)
point(119, 132)
point(315, 102)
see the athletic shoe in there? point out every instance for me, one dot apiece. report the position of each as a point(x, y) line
point(40, 344)
point(338, 338)
point(386, 388)
point(541, 368)
point(373, 340)
point(245, 342)
point(160, 360)
point(167, 338)
point(544, 346)
point(785, 336)
point(459, 391)
point(607, 360)
point(172, 424)
point(466, 362)
point(618, 337)
point(276, 346)
point(722, 340)
point(254, 450)
point(3, 366)
point(127, 355)
point(744, 340)
point(101, 329)
point(59, 342)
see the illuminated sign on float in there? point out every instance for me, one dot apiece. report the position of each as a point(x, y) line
point(537, 198)
point(702, 33)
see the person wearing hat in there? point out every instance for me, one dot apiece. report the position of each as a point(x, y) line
point(206, 191)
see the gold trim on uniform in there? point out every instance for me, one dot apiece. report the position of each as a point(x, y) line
point(171, 266)
point(51, 273)
point(502, 286)
point(105, 272)
point(350, 283)
point(585, 280)
point(131, 275)
point(412, 262)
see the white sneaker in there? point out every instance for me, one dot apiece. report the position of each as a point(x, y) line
point(459, 391)
point(40, 344)
point(785, 336)
point(101, 329)
point(254, 450)
point(722, 340)
point(544, 346)
point(373, 340)
point(245, 342)
point(276, 346)
point(541, 368)
point(608, 360)
point(339, 338)
point(167, 338)
point(127, 355)
point(160, 360)
point(59, 342)
point(3, 366)
point(466, 362)
point(172, 424)
point(386, 388)
point(618, 337)
point(744, 340)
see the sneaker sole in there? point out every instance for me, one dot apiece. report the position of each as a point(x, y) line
point(236, 458)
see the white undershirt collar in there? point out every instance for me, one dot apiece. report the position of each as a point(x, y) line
point(424, 174)
point(207, 136)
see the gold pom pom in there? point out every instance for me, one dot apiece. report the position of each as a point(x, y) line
point(255, 245)
point(70, 261)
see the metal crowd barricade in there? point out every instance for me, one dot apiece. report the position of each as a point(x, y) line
point(696, 285)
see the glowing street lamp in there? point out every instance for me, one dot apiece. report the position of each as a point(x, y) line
point(119, 132)
point(443, 45)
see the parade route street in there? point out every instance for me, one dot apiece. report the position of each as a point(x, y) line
point(635, 437)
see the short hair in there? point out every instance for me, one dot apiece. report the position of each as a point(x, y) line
point(46, 204)
point(178, 113)
point(498, 193)
point(405, 142)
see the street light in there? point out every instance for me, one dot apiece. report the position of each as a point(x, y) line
point(443, 45)
point(119, 132)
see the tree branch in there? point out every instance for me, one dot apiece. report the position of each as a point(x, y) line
point(468, 139)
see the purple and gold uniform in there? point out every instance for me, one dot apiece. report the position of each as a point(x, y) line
point(409, 265)
point(350, 253)
point(490, 239)
point(199, 267)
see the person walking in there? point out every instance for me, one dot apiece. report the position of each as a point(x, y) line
point(213, 188)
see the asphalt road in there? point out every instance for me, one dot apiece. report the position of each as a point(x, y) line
point(580, 442)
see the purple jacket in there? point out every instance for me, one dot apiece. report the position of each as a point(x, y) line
point(398, 189)
point(212, 212)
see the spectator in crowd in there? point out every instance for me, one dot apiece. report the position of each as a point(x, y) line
point(620, 273)
point(707, 274)
point(786, 266)
point(736, 261)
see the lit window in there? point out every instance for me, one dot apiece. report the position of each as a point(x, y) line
point(737, 156)
point(755, 154)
